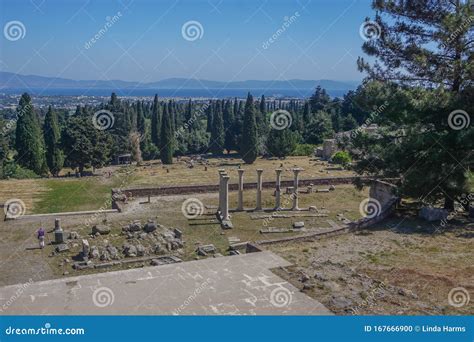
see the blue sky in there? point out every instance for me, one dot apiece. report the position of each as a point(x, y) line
point(145, 42)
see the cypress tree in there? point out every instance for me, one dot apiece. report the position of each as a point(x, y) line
point(140, 119)
point(52, 136)
point(155, 122)
point(166, 139)
point(229, 126)
point(248, 148)
point(217, 134)
point(29, 142)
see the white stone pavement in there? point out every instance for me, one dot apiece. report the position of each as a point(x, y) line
point(233, 285)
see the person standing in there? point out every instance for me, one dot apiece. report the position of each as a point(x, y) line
point(41, 233)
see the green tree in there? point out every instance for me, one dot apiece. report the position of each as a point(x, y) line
point(319, 100)
point(29, 141)
point(319, 129)
point(424, 49)
point(156, 122)
point(140, 119)
point(217, 133)
point(85, 145)
point(52, 139)
point(167, 136)
point(281, 143)
point(249, 147)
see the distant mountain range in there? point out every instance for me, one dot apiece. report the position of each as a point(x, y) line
point(11, 81)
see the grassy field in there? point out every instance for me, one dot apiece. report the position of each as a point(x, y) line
point(89, 193)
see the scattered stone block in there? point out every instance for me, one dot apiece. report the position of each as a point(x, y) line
point(332, 188)
point(298, 225)
point(73, 235)
point(178, 234)
point(85, 249)
point(113, 252)
point(227, 224)
point(62, 248)
point(130, 250)
point(140, 250)
point(433, 214)
point(94, 253)
point(204, 250)
point(233, 239)
point(150, 226)
point(290, 190)
point(100, 229)
point(322, 190)
point(313, 208)
point(234, 252)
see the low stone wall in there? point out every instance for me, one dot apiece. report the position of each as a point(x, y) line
point(194, 189)
point(381, 191)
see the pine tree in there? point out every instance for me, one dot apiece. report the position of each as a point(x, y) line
point(423, 49)
point(319, 99)
point(156, 122)
point(29, 140)
point(249, 141)
point(167, 136)
point(52, 137)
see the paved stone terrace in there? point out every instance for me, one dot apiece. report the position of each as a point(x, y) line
point(233, 285)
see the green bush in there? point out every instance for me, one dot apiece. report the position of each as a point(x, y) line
point(304, 150)
point(10, 169)
point(341, 157)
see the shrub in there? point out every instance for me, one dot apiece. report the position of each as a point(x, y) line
point(341, 157)
point(303, 150)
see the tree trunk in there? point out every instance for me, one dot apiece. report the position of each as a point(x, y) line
point(448, 203)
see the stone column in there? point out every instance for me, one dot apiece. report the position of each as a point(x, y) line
point(57, 224)
point(278, 189)
point(221, 173)
point(295, 189)
point(259, 189)
point(240, 206)
point(225, 202)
